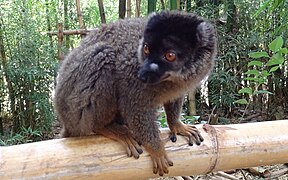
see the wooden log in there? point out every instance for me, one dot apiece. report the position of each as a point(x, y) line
point(225, 147)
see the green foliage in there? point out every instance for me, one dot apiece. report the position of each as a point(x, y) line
point(162, 120)
point(151, 6)
point(29, 71)
point(24, 136)
point(173, 4)
point(262, 68)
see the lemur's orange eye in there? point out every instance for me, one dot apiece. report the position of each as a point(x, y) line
point(170, 56)
point(146, 49)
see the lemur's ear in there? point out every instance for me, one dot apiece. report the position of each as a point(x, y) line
point(204, 32)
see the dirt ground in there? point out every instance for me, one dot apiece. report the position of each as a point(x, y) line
point(275, 172)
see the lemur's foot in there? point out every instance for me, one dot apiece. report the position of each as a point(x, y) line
point(160, 161)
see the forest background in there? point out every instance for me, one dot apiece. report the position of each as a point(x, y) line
point(249, 83)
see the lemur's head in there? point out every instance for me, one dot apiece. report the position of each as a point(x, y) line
point(175, 45)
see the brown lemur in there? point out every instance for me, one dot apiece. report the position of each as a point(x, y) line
point(113, 83)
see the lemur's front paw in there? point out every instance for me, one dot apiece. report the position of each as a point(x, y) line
point(186, 130)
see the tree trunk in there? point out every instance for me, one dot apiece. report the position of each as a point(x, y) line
point(102, 12)
point(122, 9)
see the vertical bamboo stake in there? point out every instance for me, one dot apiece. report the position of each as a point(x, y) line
point(122, 9)
point(128, 9)
point(138, 2)
point(60, 37)
point(102, 12)
point(192, 102)
point(80, 17)
point(66, 24)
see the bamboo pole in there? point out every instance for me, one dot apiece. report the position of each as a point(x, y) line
point(128, 8)
point(60, 40)
point(102, 12)
point(137, 10)
point(225, 147)
point(72, 32)
point(80, 17)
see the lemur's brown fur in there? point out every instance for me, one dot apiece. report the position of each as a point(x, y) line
point(109, 86)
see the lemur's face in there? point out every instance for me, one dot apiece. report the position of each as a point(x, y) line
point(162, 58)
point(169, 47)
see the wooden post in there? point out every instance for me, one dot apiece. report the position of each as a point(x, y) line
point(80, 17)
point(225, 147)
point(72, 32)
point(60, 40)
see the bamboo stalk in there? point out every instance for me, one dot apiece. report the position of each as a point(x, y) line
point(102, 12)
point(192, 102)
point(60, 40)
point(80, 17)
point(137, 10)
point(72, 32)
point(128, 9)
point(122, 9)
point(225, 147)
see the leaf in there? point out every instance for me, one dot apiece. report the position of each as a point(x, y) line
point(261, 81)
point(284, 50)
point(274, 69)
point(276, 59)
point(263, 6)
point(253, 71)
point(255, 63)
point(276, 44)
point(241, 101)
point(245, 90)
point(262, 92)
point(265, 73)
point(258, 54)
point(251, 79)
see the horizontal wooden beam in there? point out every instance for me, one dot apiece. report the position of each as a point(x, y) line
point(72, 32)
point(95, 157)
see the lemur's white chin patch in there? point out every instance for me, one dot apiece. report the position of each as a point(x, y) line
point(154, 66)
